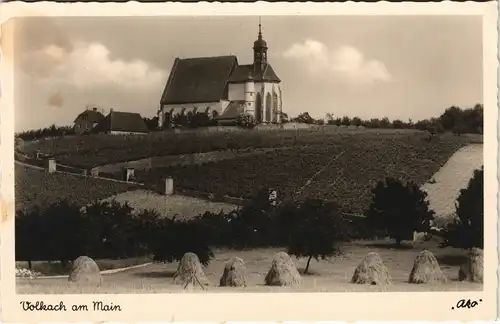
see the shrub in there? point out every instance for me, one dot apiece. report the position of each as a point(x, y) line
point(254, 224)
point(245, 120)
point(399, 209)
point(56, 233)
point(467, 230)
point(176, 238)
point(112, 230)
point(316, 230)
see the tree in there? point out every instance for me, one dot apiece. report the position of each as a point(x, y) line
point(151, 123)
point(356, 121)
point(399, 209)
point(346, 121)
point(174, 238)
point(304, 118)
point(467, 230)
point(246, 121)
point(397, 124)
point(316, 230)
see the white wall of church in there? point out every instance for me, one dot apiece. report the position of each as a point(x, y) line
point(236, 91)
point(265, 88)
point(217, 106)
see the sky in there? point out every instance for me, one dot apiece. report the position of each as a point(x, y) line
point(399, 67)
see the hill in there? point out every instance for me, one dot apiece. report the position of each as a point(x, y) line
point(343, 169)
point(34, 187)
point(94, 150)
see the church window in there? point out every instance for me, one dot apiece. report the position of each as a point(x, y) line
point(207, 111)
point(195, 110)
point(215, 114)
point(275, 107)
point(183, 111)
point(258, 108)
point(268, 107)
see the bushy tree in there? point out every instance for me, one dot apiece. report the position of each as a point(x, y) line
point(174, 238)
point(112, 230)
point(399, 209)
point(316, 229)
point(346, 121)
point(254, 223)
point(356, 121)
point(467, 230)
point(57, 232)
point(245, 120)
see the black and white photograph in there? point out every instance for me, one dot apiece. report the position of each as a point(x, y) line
point(252, 153)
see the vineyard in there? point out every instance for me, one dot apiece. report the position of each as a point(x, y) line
point(93, 150)
point(344, 169)
point(37, 188)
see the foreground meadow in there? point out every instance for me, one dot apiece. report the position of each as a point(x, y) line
point(331, 275)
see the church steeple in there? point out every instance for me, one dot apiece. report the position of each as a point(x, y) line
point(260, 51)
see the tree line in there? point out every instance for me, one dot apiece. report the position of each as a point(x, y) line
point(454, 119)
point(311, 228)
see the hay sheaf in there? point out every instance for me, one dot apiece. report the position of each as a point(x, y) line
point(190, 272)
point(472, 269)
point(371, 271)
point(235, 273)
point(283, 271)
point(85, 271)
point(426, 269)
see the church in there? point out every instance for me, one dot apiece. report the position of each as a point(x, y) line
point(222, 88)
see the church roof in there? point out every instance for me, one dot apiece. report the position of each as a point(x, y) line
point(240, 74)
point(200, 79)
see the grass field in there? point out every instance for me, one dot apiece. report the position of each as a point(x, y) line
point(343, 169)
point(55, 268)
point(39, 188)
point(327, 276)
point(93, 150)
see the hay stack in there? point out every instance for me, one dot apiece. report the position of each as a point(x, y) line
point(426, 269)
point(85, 271)
point(371, 271)
point(235, 274)
point(283, 271)
point(190, 272)
point(472, 269)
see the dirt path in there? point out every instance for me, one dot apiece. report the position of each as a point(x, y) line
point(452, 177)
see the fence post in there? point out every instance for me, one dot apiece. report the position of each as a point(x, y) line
point(129, 174)
point(94, 172)
point(52, 166)
point(169, 186)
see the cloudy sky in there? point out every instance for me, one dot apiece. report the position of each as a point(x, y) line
point(368, 66)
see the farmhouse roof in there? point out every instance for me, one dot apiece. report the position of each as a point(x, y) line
point(122, 122)
point(201, 79)
point(242, 72)
point(90, 115)
point(232, 111)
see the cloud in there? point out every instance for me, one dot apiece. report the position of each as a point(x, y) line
point(89, 65)
point(345, 62)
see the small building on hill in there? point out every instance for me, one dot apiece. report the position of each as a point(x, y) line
point(119, 122)
point(222, 88)
point(87, 120)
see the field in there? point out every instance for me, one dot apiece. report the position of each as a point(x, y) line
point(93, 150)
point(344, 168)
point(326, 276)
point(35, 187)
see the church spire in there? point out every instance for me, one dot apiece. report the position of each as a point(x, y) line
point(260, 51)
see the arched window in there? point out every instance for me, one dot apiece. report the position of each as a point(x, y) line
point(275, 107)
point(189, 116)
point(195, 110)
point(258, 108)
point(268, 107)
point(215, 114)
point(207, 111)
point(183, 111)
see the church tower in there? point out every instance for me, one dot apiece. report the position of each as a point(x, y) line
point(260, 52)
